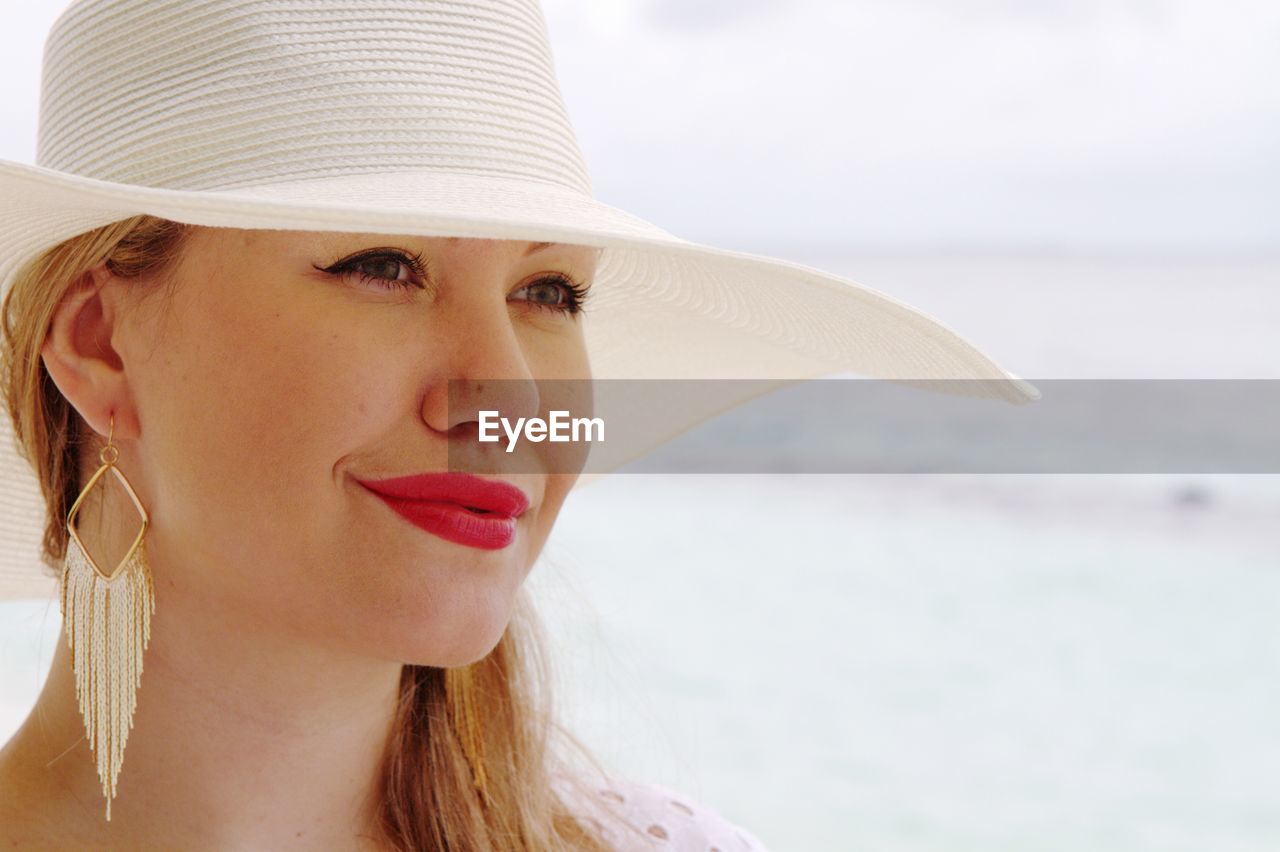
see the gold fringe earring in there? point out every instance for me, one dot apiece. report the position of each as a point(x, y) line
point(107, 618)
point(460, 686)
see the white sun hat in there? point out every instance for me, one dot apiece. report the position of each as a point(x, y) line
point(416, 117)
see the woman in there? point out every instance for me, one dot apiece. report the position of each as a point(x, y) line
point(272, 262)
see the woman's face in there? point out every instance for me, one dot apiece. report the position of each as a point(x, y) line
point(270, 387)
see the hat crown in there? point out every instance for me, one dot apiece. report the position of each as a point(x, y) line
point(223, 94)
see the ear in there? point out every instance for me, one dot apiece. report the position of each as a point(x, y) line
point(79, 356)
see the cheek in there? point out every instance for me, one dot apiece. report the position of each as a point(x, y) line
point(258, 405)
point(288, 389)
point(558, 486)
point(559, 352)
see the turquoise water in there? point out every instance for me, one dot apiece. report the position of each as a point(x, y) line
point(936, 662)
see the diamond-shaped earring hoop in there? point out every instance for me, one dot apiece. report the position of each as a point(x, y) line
point(107, 619)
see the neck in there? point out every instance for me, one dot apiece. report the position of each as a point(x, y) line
point(241, 739)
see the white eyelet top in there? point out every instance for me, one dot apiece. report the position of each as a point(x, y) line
point(655, 817)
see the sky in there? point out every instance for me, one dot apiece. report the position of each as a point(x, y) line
point(1031, 124)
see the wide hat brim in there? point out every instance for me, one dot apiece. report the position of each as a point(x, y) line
point(662, 307)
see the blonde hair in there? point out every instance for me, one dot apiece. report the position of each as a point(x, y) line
point(425, 794)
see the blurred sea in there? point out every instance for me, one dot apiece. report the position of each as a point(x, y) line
point(938, 662)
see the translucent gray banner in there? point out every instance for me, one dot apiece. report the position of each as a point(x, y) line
point(872, 426)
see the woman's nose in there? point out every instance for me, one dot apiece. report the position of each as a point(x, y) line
point(487, 369)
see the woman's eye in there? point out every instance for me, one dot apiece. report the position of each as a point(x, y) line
point(384, 270)
point(557, 293)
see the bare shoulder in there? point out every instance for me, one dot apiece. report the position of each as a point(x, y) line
point(641, 815)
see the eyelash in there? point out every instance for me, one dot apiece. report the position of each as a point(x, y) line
point(578, 292)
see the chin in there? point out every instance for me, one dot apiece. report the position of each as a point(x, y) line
point(468, 650)
point(451, 642)
point(475, 656)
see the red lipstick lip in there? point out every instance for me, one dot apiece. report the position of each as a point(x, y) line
point(464, 489)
